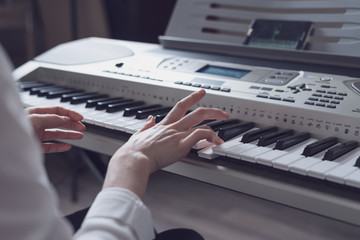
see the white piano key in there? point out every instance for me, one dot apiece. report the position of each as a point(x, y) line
point(208, 152)
point(284, 161)
point(222, 148)
point(340, 173)
point(235, 152)
point(126, 124)
point(319, 170)
point(135, 127)
point(353, 179)
point(251, 154)
point(268, 157)
point(201, 144)
point(112, 116)
point(302, 165)
point(119, 121)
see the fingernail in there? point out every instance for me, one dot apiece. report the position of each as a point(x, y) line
point(149, 118)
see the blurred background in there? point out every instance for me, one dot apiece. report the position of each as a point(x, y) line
point(30, 27)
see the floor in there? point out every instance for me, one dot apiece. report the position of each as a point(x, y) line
point(214, 212)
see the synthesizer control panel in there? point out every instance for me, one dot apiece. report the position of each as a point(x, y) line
point(324, 104)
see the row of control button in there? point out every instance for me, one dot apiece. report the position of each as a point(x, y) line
point(326, 97)
point(276, 98)
point(205, 86)
point(320, 104)
point(261, 88)
point(332, 93)
point(315, 99)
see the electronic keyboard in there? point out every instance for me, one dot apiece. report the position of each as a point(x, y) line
point(292, 136)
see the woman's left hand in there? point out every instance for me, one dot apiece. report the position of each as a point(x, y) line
point(55, 123)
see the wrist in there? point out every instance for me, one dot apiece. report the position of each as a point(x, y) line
point(129, 170)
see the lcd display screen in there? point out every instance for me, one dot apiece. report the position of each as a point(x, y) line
point(223, 71)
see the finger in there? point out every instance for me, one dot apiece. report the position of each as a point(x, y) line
point(55, 147)
point(179, 110)
point(199, 134)
point(150, 122)
point(55, 121)
point(56, 110)
point(50, 135)
point(199, 115)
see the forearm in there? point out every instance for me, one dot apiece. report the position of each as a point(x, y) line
point(129, 170)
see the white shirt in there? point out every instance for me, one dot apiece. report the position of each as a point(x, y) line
point(28, 203)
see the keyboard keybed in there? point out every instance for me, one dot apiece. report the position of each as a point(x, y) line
point(283, 149)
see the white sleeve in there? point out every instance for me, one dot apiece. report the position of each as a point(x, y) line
point(121, 213)
point(28, 203)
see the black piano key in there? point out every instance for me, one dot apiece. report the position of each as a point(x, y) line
point(26, 86)
point(160, 117)
point(84, 98)
point(205, 122)
point(318, 146)
point(45, 92)
point(104, 104)
point(58, 93)
point(229, 132)
point(337, 151)
point(256, 134)
point(287, 142)
point(216, 125)
point(36, 90)
point(274, 137)
point(357, 164)
point(93, 102)
point(131, 111)
point(116, 107)
point(142, 114)
point(68, 96)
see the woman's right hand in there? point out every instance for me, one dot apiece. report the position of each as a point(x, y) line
point(156, 146)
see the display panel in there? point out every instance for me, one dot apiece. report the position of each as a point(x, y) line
point(223, 71)
point(278, 34)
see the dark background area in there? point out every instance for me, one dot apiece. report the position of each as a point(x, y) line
point(138, 20)
point(135, 20)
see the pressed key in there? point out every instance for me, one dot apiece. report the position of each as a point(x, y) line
point(68, 96)
point(131, 111)
point(216, 125)
point(116, 107)
point(84, 98)
point(104, 104)
point(228, 132)
point(93, 102)
point(256, 134)
point(152, 111)
point(285, 143)
point(337, 151)
point(274, 137)
point(58, 93)
point(321, 145)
